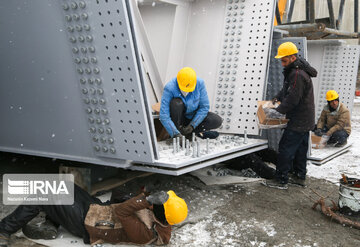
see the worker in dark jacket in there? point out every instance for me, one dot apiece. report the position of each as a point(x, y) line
point(139, 220)
point(185, 107)
point(334, 121)
point(297, 102)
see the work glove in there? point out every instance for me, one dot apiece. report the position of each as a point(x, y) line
point(187, 130)
point(274, 100)
point(158, 198)
point(170, 140)
point(318, 132)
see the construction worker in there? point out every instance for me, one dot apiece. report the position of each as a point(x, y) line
point(139, 220)
point(334, 121)
point(185, 107)
point(297, 102)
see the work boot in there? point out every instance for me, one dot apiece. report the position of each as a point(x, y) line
point(274, 183)
point(296, 181)
point(44, 230)
point(339, 145)
point(211, 134)
point(4, 239)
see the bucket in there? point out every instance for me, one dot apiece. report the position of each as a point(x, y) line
point(349, 197)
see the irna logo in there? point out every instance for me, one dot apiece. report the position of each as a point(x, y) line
point(32, 187)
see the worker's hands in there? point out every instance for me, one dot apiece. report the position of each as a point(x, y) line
point(158, 198)
point(170, 140)
point(274, 100)
point(187, 129)
point(318, 132)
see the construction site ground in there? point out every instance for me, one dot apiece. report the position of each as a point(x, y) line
point(243, 214)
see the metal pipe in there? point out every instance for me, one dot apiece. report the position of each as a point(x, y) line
point(331, 13)
point(194, 149)
point(245, 137)
point(341, 33)
point(307, 10)
point(277, 14)
point(177, 144)
point(174, 145)
point(291, 10)
point(183, 143)
point(306, 27)
point(341, 11)
point(356, 16)
point(312, 11)
point(198, 148)
point(187, 147)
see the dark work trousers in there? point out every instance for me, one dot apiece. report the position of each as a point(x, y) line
point(177, 114)
point(339, 136)
point(71, 217)
point(292, 155)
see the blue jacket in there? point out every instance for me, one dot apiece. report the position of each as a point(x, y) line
point(196, 103)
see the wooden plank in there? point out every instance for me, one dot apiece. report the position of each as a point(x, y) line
point(111, 183)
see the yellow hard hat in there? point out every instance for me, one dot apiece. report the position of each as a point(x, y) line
point(175, 209)
point(286, 49)
point(331, 95)
point(186, 79)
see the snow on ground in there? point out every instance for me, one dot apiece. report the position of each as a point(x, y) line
point(348, 163)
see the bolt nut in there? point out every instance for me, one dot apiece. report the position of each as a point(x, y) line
point(82, 4)
point(81, 38)
point(65, 7)
point(78, 28)
point(68, 18)
point(72, 39)
point(84, 16)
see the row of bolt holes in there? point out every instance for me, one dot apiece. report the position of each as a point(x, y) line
point(111, 69)
point(122, 34)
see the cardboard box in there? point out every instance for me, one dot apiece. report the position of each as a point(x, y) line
point(317, 142)
point(266, 123)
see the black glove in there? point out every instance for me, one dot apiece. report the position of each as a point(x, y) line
point(158, 198)
point(187, 130)
point(170, 140)
point(274, 100)
point(318, 132)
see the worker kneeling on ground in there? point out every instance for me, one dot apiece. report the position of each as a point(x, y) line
point(297, 102)
point(185, 107)
point(139, 220)
point(334, 121)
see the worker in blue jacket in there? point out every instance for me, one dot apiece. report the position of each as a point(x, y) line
point(185, 107)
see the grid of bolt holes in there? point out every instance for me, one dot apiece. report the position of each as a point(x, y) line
point(228, 73)
point(124, 87)
point(347, 74)
point(328, 70)
point(81, 39)
point(275, 80)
